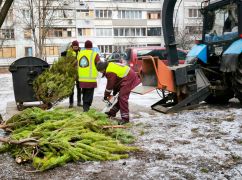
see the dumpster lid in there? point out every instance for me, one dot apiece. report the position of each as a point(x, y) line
point(29, 61)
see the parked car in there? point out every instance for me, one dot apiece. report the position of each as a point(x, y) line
point(116, 57)
point(134, 54)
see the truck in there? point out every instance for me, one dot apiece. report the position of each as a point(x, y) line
point(213, 68)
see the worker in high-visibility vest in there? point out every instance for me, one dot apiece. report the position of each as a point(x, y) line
point(72, 51)
point(87, 73)
point(120, 79)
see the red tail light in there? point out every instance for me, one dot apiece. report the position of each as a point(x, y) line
point(240, 36)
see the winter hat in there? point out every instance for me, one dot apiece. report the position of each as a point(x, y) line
point(75, 43)
point(101, 66)
point(88, 44)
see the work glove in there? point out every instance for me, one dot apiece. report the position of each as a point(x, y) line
point(107, 98)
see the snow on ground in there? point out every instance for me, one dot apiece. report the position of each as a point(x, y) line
point(6, 91)
point(205, 143)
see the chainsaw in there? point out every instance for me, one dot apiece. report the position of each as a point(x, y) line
point(110, 103)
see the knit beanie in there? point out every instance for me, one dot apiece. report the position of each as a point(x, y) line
point(101, 66)
point(88, 44)
point(75, 43)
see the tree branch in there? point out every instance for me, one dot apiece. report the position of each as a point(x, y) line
point(27, 141)
point(115, 126)
point(4, 11)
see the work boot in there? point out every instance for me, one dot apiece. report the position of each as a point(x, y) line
point(121, 122)
point(71, 106)
point(86, 108)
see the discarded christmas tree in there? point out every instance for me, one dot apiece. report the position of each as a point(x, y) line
point(56, 83)
point(53, 138)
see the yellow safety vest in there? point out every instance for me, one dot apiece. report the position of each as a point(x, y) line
point(87, 71)
point(119, 69)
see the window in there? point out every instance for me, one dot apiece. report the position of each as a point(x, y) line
point(58, 32)
point(194, 29)
point(68, 33)
point(6, 34)
point(101, 14)
point(194, 13)
point(138, 32)
point(85, 13)
point(61, 32)
point(28, 51)
point(27, 33)
point(51, 50)
point(105, 48)
point(129, 31)
point(8, 52)
point(26, 13)
point(63, 13)
point(103, 32)
point(129, 14)
point(154, 31)
point(153, 15)
point(84, 32)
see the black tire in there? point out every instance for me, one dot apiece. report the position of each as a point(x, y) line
point(221, 95)
point(219, 99)
point(237, 80)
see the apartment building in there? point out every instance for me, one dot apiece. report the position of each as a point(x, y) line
point(111, 25)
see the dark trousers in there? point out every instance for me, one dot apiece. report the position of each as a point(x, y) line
point(71, 97)
point(122, 104)
point(87, 98)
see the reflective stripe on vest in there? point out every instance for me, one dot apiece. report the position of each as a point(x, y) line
point(88, 73)
point(119, 69)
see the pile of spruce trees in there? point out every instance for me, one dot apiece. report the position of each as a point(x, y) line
point(57, 136)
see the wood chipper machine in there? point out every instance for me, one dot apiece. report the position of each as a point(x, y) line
point(209, 74)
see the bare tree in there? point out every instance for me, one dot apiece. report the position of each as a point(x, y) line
point(4, 10)
point(38, 15)
point(184, 39)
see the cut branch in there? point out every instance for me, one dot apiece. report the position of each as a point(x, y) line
point(116, 126)
point(15, 124)
point(27, 141)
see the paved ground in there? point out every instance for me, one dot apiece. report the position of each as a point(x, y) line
point(204, 143)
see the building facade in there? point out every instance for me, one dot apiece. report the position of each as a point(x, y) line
point(112, 25)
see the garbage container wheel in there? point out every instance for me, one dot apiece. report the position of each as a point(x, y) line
point(20, 106)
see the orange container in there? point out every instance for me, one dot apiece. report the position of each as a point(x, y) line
point(156, 73)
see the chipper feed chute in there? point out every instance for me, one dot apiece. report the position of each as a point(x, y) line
point(183, 85)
